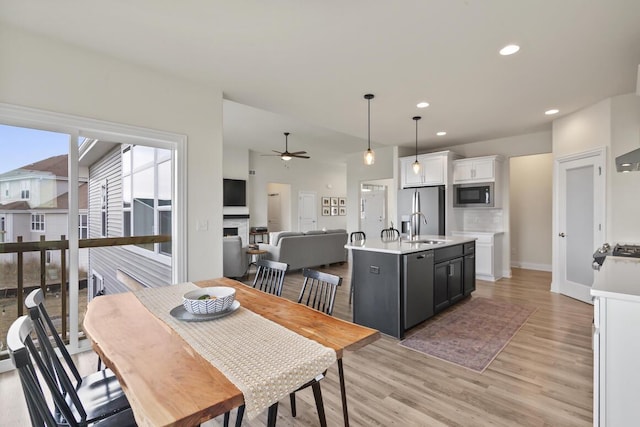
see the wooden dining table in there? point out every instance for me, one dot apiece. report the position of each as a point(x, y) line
point(166, 381)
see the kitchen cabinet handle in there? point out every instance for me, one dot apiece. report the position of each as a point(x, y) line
point(451, 269)
point(420, 257)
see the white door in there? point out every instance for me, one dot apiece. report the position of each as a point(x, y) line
point(373, 214)
point(274, 212)
point(307, 214)
point(579, 230)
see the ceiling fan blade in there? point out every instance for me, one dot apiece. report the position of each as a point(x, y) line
point(279, 152)
point(299, 156)
point(298, 152)
point(269, 155)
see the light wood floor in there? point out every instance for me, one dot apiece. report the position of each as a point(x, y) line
point(543, 377)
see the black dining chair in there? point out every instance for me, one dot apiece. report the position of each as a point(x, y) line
point(100, 392)
point(66, 408)
point(357, 236)
point(390, 234)
point(270, 276)
point(319, 292)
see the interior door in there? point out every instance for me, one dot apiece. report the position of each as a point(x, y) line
point(307, 214)
point(580, 222)
point(274, 212)
point(373, 215)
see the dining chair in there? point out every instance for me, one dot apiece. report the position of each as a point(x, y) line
point(319, 292)
point(390, 234)
point(270, 276)
point(354, 237)
point(67, 410)
point(100, 392)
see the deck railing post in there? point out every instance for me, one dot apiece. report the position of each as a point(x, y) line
point(63, 286)
point(20, 290)
point(43, 262)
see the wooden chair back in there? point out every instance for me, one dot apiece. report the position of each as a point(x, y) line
point(319, 290)
point(270, 276)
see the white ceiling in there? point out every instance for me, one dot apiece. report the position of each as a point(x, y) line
point(304, 66)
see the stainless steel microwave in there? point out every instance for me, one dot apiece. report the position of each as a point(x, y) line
point(473, 195)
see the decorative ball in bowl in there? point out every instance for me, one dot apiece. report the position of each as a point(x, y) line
point(209, 300)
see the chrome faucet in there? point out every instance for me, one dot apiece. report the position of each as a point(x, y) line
point(414, 229)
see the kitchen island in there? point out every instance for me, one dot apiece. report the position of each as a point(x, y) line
point(399, 284)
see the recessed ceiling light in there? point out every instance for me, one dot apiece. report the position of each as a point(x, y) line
point(509, 49)
point(552, 111)
point(441, 133)
point(422, 104)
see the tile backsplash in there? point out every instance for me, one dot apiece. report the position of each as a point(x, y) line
point(480, 219)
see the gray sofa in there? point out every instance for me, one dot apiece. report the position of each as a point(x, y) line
point(234, 257)
point(310, 249)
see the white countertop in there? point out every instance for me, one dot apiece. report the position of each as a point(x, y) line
point(619, 277)
point(471, 232)
point(403, 246)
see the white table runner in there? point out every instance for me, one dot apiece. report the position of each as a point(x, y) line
point(264, 360)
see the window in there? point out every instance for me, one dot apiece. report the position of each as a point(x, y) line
point(37, 222)
point(3, 230)
point(24, 194)
point(146, 194)
point(83, 226)
point(48, 257)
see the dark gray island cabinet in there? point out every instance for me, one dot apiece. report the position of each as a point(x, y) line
point(398, 285)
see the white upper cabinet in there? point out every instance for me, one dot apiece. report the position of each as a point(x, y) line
point(432, 170)
point(477, 169)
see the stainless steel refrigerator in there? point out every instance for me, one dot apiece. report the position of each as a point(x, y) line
point(431, 205)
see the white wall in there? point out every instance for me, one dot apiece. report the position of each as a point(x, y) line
point(531, 211)
point(325, 179)
point(40, 73)
point(624, 215)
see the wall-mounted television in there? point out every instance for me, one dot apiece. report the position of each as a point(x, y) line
point(234, 192)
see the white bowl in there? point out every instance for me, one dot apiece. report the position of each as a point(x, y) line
point(221, 298)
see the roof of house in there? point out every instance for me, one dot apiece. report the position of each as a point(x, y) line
point(57, 165)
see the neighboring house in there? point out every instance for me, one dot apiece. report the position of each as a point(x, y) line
point(129, 195)
point(34, 202)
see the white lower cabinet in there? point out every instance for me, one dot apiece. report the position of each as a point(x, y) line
point(616, 352)
point(488, 253)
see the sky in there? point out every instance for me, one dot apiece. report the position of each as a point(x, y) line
point(21, 146)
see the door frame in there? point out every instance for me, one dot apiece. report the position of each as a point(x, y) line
point(599, 157)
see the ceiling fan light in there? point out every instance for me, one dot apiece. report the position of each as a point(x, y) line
point(369, 157)
point(416, 167)
point(285, 157)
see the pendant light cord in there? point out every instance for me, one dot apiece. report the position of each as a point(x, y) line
point(416, 118)
point(369, 124)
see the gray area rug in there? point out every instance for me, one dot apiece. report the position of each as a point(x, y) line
point(470, 334)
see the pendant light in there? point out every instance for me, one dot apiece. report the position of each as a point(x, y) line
point(416, 164)
point(369, 155)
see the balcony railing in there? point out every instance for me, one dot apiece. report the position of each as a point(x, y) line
point(20, 248)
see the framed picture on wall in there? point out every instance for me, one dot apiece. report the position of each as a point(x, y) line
point(342, 201)
point(334, 201)
point(326, 210)
point(342, 210)
point(334, 210)
point(326, 201)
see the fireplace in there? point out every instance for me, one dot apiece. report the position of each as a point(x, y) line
point(230, 231)
point(236, 225)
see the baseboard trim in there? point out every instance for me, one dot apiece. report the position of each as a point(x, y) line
point(531, 266)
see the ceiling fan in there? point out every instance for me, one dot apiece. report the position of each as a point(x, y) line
point(286, 155)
